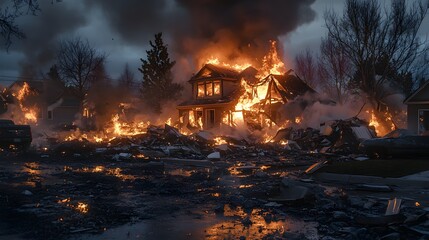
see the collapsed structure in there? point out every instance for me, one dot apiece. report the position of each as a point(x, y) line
point(224, 96)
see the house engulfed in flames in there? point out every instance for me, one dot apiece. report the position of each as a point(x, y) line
point(224, 96)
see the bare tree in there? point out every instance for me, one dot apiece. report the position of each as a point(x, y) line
point(334, 70)
point(127, 79)
point(8, 14)
point(79, 64)
point(306, 67)
point(378, 43)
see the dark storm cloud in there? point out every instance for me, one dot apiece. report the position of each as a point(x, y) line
point(44, 31)
point(135, 20)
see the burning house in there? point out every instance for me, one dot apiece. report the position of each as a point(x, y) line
point(41, 102)
point(222, 95)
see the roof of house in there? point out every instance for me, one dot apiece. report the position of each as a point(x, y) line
point(210, 71)
point(287, 87)
point(36, 86)
point(418, 95)
point(69, 99)
point(292, 86)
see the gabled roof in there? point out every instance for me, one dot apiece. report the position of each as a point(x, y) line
point(414, 97)
point(36, 86)
point(287, 87)
point(293, 85)
point(68, 99)
point(210, 71)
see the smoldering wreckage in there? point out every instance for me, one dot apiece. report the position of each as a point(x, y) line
point(205, 175)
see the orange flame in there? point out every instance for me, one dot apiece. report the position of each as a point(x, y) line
point(253, 94)
point(30, 114)
point(381, 129)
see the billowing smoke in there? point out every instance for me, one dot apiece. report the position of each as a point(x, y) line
point(53, 22)
point(239, 27)
point(194, 30)
point(208, 28)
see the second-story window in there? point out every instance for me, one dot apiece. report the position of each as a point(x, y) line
point(208, 89)
point(201, 91)
point(216, 87)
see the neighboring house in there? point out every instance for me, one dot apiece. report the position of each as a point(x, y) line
point(225, 96)
point(56, 104)
point(63, 110)
point(418, 110)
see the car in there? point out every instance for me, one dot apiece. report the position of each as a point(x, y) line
point(14, 135)
point(400, 142)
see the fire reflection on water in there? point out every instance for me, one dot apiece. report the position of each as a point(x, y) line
point(80, 207)
point(116, 172)
point(258, 228)
point(34, 173)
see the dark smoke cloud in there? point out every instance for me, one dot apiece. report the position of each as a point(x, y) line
point(246, 23)
point(197, 26)
point(135, 20)
point(194, 29)
point(43, 33)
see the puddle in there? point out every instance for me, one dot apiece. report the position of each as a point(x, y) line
point(207, 226)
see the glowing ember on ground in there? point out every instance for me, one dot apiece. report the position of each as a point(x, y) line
point(65, 200)
point(79, 206)
point(219, 141)
point(82, 207)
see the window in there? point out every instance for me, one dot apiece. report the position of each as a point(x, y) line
point(50, 116)
point(216, 86)
point(208, 89)
point(200, 90)
point(86, 112)
point(423, 124)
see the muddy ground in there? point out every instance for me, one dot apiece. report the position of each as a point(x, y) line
point(92, 196)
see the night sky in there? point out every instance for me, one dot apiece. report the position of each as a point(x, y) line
point(191, 28)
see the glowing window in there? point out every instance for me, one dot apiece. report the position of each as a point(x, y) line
point(200, 90)
point(216, 86)
point(209, 88)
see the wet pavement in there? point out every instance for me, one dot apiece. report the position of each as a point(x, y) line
point(91, 197)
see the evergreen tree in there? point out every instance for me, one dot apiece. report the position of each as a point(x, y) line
point(157, 84)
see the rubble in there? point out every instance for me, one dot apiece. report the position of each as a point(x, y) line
point(341, 137)
point(243, 188)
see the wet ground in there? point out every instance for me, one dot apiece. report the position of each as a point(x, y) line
point(88, 197)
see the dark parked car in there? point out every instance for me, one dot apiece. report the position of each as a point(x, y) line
point(400, 142)
point(17, 135)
